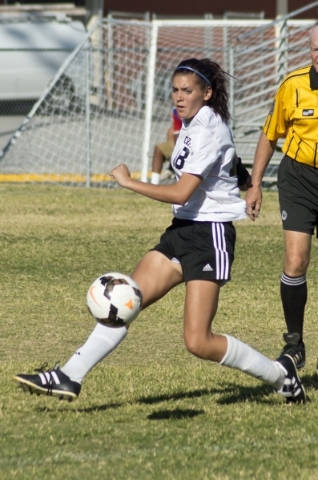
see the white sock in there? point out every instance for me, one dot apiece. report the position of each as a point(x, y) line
point(245, 358)
point(155, 178)
point(100, 343)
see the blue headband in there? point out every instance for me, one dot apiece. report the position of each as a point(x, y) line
point(198, 73)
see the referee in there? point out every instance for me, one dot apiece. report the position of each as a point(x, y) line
point(294, 114)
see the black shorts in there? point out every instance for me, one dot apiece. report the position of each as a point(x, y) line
point(205, 250)
point(298, 196)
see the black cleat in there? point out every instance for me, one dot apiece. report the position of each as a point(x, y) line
point(295, 349)
point(50, 382)
point(292, 389)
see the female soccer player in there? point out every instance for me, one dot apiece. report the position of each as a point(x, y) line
point(197, 248)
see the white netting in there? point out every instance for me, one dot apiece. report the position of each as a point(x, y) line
point(110, 102)
point(261, 60)
point(88, 120)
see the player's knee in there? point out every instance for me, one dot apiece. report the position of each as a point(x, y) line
point(195, 345)
point(296, 264)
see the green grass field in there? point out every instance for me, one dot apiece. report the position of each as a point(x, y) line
point(150, 410)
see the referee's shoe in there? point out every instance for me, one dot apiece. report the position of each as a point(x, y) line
point(49, 382)
point(293, 390)
point(295, 348)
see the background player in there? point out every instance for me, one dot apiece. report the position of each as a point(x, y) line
point(162, 151)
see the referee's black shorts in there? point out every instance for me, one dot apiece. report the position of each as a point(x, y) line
point(298, 196)
point(205, 250)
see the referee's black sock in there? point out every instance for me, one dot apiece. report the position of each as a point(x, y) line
point(293, 291)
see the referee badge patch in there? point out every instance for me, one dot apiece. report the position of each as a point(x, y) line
point(308, 112)
point(284, 215)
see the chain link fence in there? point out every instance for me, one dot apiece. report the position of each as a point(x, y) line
point(110, 101)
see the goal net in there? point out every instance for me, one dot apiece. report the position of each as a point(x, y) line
point(110, 102)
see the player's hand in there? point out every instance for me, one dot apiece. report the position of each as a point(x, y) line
point(253, 199)
point(121, 174)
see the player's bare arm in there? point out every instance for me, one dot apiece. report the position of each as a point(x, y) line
point(178, 193)
point(121, 174)
point(264, 152)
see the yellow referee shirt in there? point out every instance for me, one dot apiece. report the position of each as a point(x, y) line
point(294, 113)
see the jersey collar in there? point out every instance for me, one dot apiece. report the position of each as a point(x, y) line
point(313, 75)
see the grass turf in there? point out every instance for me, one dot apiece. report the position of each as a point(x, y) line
point(150, 410)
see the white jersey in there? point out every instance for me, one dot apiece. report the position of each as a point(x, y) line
point(205, 147)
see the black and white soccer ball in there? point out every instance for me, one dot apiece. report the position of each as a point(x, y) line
point(114, 299)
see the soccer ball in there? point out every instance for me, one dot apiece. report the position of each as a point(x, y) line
point(114, 299)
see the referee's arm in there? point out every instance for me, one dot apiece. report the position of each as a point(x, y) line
point(264, 152)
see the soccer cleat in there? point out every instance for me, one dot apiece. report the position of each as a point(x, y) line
point(295, 349)
point(292, 389)
point(50, 382)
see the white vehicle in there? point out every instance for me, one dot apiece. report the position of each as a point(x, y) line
point(31, 53)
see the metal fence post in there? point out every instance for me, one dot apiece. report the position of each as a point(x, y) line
point(88, 120)
point(231, 92)
point(150, 87)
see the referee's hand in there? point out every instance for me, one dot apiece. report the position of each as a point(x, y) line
point(253, 199)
